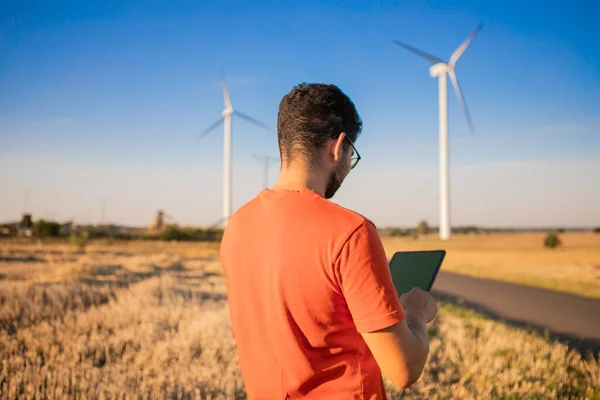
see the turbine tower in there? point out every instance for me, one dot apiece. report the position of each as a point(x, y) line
point(265, 161)
point(439, 70)
point(228, 112)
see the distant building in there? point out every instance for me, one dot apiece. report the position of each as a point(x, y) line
point(9, 229)
point(26, 226)
point(22, 228)
point(160, 221)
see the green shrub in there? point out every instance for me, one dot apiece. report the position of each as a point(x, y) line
point(398, 232)
point(552, 240)
point(79, 240)
point(173, 232)
point(465, 230)
point(44, 228)
point(414, 234)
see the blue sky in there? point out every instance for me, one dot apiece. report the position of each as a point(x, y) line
point(106, 99)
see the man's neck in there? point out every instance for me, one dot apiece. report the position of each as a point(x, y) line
point(300, 179)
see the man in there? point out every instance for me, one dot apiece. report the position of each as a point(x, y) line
point(313, 309)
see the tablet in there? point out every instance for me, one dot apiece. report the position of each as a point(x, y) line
point(412, 269)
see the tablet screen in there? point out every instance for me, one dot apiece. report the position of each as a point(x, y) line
point(411, 269)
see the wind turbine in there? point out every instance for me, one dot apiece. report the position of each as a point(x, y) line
point(265, 161)
point(228, 112)
point(439, 69)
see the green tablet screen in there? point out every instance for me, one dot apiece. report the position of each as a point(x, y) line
point(412, 269)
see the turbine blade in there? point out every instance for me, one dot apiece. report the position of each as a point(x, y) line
point(226, 97)
point(250, 119)
point(460, 98)
point(461, 49)
point(258, 158)
point(210, 128)
point(429, 57)
point(218, 223)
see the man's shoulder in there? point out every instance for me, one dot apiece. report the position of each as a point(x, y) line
point(349, 216)
point(243, 210)
point(329, 215)
point(249, 207)
point(342, 222)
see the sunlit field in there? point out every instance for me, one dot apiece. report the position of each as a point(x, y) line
point(519, 258)
point(150, 320)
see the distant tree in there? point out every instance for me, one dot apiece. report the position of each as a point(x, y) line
point(560, 230)
point(597, 230)
point(423, 228)
point(552, 240)
point(174, 232)
point(44, 228)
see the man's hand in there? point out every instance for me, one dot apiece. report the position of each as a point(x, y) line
point(402, 349)
point(419, 305)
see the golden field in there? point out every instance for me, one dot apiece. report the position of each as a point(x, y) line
point(518, 258)
point(150, 320)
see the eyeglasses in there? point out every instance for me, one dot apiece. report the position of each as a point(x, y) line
point(355, 157)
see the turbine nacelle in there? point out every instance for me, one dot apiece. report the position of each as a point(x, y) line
point(226, 116)
point(439, 69)
point(228, 112)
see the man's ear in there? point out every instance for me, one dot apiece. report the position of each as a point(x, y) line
point(338, 148)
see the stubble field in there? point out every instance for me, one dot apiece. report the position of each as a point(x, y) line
point(150, 320)
point(519, 258)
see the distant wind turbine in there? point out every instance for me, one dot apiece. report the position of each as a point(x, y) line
point(228, 112)
point(26, 202)
point(265, 161)
point(440, 69)
point(103, 211)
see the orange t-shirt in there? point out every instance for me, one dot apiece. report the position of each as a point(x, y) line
point(304, 277)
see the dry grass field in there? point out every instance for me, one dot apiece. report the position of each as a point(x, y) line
point(519, 258)
point(150, 320)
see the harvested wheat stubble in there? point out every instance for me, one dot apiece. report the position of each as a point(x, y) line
point(152, 339)
point(167, 335)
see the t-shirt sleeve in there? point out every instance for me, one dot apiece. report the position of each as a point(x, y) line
point(365, 280)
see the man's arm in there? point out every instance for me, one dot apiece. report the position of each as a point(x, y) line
point(401, 350)
point(395, 329)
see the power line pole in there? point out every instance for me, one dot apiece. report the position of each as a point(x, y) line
point(25, 202)
point(265, 161)
point(103, 213)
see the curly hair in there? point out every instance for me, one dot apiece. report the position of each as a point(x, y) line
point(309, 115)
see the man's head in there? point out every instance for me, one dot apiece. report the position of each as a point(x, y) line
point(316, 126)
